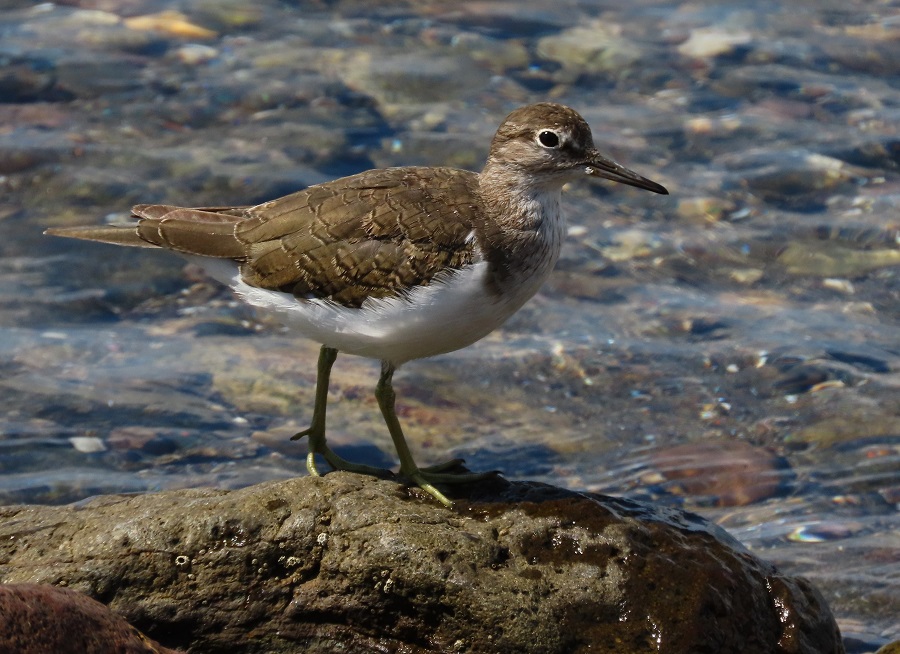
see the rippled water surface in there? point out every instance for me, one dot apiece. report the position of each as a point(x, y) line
point(733, 347)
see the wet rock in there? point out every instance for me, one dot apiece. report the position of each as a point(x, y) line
point(821, 532)
point(874, 362)
point(134, 438)
point(713, 41)
point(37, 619)
point(703, 210)
point(878, 153)
point(398, 79)
point(503, 17)
point(498, 55)
point(837, 429)
point(872, 56)
point(229, 14)
point(890, 648)
point(87, 444)
point(597, 48)
point(358, 564)
point(766, 80)
point(833, 259)
point(119, 37)
point(796, 180)
point(732, 473)
point(27, 78)
point(194, 54)
point(21, 151)
point(801, 378)
point(89, 75)
point(91, 28)
point(170, 23)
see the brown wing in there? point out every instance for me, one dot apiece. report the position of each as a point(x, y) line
point(376, 234)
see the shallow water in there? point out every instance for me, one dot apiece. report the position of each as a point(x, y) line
point(732, 348)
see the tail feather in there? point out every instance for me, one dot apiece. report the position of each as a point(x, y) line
point(151, 211)
point(205, 232)
point(115, 234)
point(195, 232)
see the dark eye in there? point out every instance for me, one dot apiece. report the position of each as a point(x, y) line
point(548, 139)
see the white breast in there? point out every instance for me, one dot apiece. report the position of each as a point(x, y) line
point(448, 314)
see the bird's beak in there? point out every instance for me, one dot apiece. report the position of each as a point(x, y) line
point(599, 166)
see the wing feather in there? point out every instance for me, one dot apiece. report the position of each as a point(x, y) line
point(376, 234)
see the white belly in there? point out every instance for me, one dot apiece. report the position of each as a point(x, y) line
point(444, 316)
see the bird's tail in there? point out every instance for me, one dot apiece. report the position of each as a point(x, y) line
point(207, 231)
point(116, 234)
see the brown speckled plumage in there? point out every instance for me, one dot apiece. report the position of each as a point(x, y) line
point(397, 263)
point(379, 233)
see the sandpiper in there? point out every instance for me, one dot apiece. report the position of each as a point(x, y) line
point(393, 264)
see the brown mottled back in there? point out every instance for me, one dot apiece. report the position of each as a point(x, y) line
point(375, 234)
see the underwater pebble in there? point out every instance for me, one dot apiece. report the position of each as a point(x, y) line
point(830, 259)
point(712, 41)
point(821, 532)
point(170, 22)
point(732, 473)
point(87, 444)
point(841, 285)
point(229, 14)
point(598, 47)
point(195, 53)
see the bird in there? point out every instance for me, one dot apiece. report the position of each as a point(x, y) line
point(393, 264)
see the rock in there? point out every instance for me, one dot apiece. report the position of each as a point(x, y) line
point(22, 150)
point(596, 48)
point(359, 564)
point(703, 210)
point(713, 42)
point(846, 429)
point(798, 180)
point(883, 152)
point(724, 473)
point(28, 78)
point(90, 75)
point(393, 79)
point(171, 23)
point(822, 258)
point(194, 54)
point(36, 619)
point(229, 15)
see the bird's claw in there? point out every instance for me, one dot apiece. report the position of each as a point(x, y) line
point(426, 478)
point(301, 434)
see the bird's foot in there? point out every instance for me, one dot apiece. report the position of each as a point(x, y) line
point(426, 478)
point(317, 445)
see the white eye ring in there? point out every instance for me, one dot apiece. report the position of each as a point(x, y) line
point(548, 139)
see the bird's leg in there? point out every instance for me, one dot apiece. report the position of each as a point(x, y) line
point(316, 431)
point(424, 477)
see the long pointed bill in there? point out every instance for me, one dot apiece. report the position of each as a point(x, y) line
point(599, 166)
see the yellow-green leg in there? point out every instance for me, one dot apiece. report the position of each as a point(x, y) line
point(316, 431)
point(424, 477)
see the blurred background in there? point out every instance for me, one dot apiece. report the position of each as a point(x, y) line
point(733, 348)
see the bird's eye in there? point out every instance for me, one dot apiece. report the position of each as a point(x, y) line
point(548, 139)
